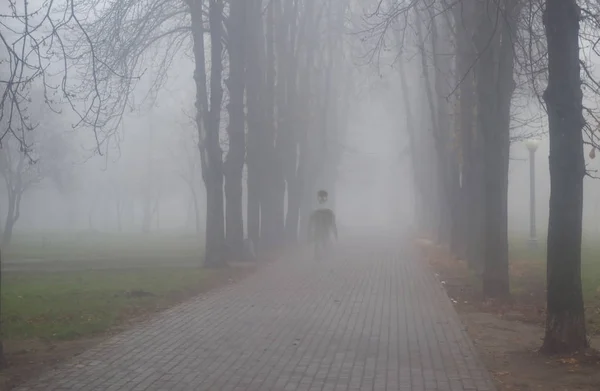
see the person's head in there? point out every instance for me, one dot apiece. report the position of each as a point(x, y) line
point(322, 196)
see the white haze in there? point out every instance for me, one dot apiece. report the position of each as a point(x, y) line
point(374, 184)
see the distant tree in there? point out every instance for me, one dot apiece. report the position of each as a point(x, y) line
point(189, 169)
point(47, 160)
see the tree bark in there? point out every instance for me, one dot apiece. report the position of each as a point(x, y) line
point(495, 86)
point(272, 188)
point(565, 319)
point(208, 122)
point(2, 358)
point(234, 163)
point(13, 214)
point(255, 84)
point(471, 187)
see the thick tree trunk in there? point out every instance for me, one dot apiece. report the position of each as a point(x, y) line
point(234, 163)
point(495, 86)
point(565, 319)
point(215, 230)
point(496, 161)
point(208, 121)
point(471, 188)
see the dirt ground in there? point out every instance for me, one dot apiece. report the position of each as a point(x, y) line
point(509, 350)
point(26, 359)
point(509, 334)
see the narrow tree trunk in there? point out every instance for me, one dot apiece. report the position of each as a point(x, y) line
point(440, 130)
point(2, 358)
point(196, 212)
point(273, 186)
point(565, 319)
point(14, 200)
point(292, 175)
point(119, 210)
point(254, 84)
point(234, 163)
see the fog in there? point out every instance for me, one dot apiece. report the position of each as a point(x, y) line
point(146, 176)
point(153, 148)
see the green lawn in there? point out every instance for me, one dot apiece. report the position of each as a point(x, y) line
point(528, 274)
point(86, 246)
point(70, 286)
point(69, 305)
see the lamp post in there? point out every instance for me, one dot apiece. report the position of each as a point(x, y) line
point(532, 145)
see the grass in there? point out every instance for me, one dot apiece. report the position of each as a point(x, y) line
point(93, 247)
point(82, 285)
point(69, 305)
point(528, 275)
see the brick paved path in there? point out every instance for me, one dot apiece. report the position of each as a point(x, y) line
point(371, 319)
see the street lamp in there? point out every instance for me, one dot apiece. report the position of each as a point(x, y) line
point(532, 145)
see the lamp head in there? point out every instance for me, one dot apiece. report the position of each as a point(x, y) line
point(532, 144)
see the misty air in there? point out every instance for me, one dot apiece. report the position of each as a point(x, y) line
point(299, 195)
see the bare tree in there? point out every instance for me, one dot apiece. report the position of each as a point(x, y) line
point(565, 321)
point(234, 163)
point(19, 174)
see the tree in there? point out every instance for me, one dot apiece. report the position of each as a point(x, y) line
point(466, 53)
point(494, 90)
point(234, 163)
point(565, 319)
point(47, 159)
point(190, 170)
point(255, 80)
point(19, 175)
point(208, 120)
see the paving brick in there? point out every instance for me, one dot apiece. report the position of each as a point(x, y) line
point(372, 318)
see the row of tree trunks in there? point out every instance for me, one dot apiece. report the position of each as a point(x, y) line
point(471, 159)
point(485, 38)
point(283, 75)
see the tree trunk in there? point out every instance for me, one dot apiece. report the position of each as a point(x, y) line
point(565, 319)
point(234, 163)
point(254, 97)
point(444, 156)
point(208, 122)
point(495, 86)
point(2, 358)
point(471, 187)
point(291, 168)
point(14, 201)
point(273, 186)
point(119, 210)
point(196, 212)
